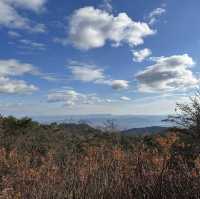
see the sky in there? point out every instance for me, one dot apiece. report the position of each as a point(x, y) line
point(119, 57)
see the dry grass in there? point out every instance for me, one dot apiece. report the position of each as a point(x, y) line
point(79, 162)
point(100, 172)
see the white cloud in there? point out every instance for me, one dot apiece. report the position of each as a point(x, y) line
point(120, 84)
point(124, 98)
point(91, 73)
point(153, 16)
point(109, 100)
point(92, 28)
point(141, 55)
point(10, 86)
point(35, 5)
point(63, 96)
point(72, 98)
point(168, 74)
point(12, 67)
point(11, 18)
point(86, 72)
point(115, 84)
point(41, 28)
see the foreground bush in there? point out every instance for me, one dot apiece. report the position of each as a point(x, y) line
point(98, 173)
point(79, 162)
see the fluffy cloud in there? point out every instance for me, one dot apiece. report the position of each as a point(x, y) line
point(10, 17)
point(10, 86)
point(91, 28)
point(168, 74)
point(71, 98)
point(120, 84)
point(141, 55)
point(12, 67)
point(153, 16)
point(115, 84)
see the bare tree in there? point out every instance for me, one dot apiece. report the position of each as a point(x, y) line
point(188, 115)
point(110, 125)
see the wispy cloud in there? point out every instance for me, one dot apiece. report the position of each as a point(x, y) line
point(72, 98)
point(32, 45)
point(155, 14)
point(14, 34)
point(12, 68)
point(106, 5)
point(86, 72)
point(91, 73)
point(10, 16)
point(124, 98)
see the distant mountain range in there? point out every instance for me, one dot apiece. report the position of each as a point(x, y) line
point(145, 130)
point(121, 121)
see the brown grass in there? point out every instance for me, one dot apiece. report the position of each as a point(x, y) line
point(98, 173)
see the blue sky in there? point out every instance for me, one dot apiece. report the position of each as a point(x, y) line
point(97, 56)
